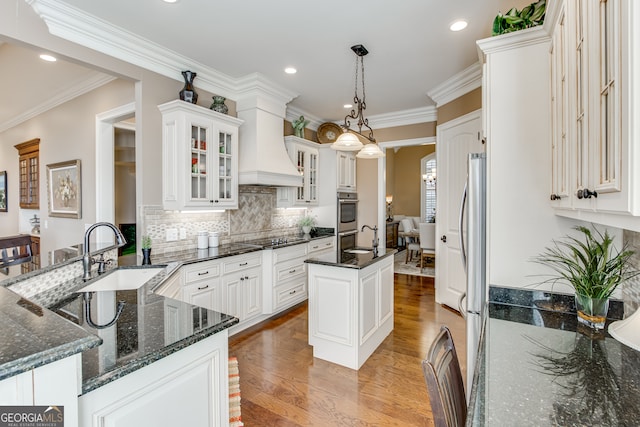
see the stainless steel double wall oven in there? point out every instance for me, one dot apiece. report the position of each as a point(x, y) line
point(347, 220)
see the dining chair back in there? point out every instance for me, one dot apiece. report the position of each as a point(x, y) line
point(442, 374)
point(15, 250)
point(427, 241)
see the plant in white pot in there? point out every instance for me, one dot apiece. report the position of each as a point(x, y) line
point(307, 223)
point(593, 267)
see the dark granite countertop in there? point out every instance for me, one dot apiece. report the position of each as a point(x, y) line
point(51, 325)
point(538, 366)
point(26, 337)
point(350, 260)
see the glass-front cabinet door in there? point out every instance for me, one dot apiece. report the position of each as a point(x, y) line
point(207, 177)
point(304, 155)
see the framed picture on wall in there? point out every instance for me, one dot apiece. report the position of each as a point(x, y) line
point(3, 191)
point(65, 189)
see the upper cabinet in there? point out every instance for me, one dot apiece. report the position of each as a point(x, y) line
point(346, 171)
point(29, 173)
point(304, 154)
point(595, 111)
point(200, 158)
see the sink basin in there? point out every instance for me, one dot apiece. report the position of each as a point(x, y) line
point(358, 251)
point(122, 279)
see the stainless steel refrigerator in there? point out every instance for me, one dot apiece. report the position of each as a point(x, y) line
point(473, 243)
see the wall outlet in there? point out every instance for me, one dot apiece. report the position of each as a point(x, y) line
point(172, 234)
point(183, 233)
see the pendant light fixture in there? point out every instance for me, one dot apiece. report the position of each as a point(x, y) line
point(349, 139)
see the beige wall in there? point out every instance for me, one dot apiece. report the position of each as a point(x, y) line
point(467, 103)
point(406, 178)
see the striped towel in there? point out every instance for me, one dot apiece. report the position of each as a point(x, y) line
point(235, 417)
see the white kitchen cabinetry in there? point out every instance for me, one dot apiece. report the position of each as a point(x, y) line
point(56, 383)
point(202, 285)
point(350, 311)
point(346, 171)
point(289, 277)
point(200, 158)
point(516, 102)
point(321, 246)
point(305, 157)
point(599, 113)
point(192, 382)
point(242, 286)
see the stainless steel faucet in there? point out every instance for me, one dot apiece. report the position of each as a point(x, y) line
point(86, 257)
point(375, 237)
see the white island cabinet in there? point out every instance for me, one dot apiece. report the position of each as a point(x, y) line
point(350, 308)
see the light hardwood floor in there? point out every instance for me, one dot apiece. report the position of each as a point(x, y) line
point(281, 384)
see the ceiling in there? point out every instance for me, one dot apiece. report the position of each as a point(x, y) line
point(411, 50)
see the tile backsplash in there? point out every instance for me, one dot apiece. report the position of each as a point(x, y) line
point(255, 218)
point(631, 289)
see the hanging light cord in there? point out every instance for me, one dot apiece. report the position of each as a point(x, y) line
point(360, 104)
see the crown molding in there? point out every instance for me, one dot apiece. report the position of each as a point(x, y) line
point(66, 94)
point(458, 85)
point(396, 145)
point(403, 118)
point(87, 30)
point(511, 41)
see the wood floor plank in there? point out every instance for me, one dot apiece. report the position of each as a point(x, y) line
point(282, 384)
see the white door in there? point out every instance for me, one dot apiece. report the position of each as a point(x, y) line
point(455, 140)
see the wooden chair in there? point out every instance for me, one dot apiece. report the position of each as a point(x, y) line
point(15, 250)
point(441, 371)
point(427, 241)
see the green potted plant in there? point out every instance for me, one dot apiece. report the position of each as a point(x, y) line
point(307, 223)
point(592, 267)
point(515, 20)
point(146, 250)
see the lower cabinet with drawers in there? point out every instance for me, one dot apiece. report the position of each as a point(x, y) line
point(251, 287)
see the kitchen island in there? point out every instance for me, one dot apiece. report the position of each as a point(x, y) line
point(537, 366)
point(350, 305)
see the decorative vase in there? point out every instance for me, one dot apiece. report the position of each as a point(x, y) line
point(188, 93)
point(219, 105)
point(146, 256)
point(592, 311)
point(306, 229)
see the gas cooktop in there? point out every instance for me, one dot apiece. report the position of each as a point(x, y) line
point(276, 242)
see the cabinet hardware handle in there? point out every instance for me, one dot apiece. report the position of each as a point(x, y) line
point(586, 193)
point(292, 271)
point(246, 277)
point(203, 273)
point(243, 264)
point(242, 279)
point(444, 238)
point(315, 247)
point(292, 292)
point(555, 197)
point(203, 287)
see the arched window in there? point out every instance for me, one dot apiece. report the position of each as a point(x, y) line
point(428, 197)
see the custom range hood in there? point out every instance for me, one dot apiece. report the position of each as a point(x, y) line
point(263, 157)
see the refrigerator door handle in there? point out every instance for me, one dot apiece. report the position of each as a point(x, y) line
point(463, 252)
point(461, 309)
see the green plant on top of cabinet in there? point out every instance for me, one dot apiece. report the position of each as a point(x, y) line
point(304, 155)
point(200, 157)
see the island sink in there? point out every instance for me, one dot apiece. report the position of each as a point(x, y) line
point(122, 279)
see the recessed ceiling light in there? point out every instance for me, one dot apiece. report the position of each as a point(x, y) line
point(48, 58)
point(347, 105)
point(458, 25)
point(170, 1)
point(290, 70)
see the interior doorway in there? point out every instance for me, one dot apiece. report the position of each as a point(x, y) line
point(123, 119)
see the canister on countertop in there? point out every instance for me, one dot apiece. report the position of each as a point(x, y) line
point(203, 240)
point(214, 239)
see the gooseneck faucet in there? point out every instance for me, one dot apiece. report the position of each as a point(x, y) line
point(86, 257)
point(375, 237)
